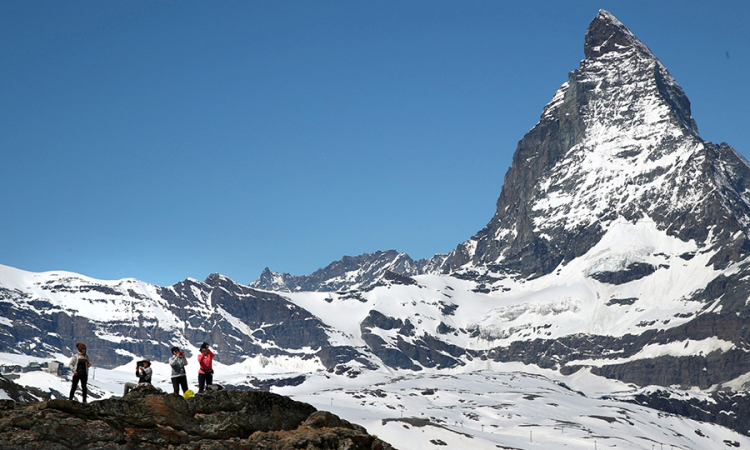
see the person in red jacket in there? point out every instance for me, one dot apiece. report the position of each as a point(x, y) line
point(206, 371)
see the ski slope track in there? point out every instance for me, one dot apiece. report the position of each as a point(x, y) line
point(613, 279)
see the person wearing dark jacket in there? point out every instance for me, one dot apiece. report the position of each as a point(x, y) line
point(206, 371)
point(79, 365)
point(143, 371)
point(179, 378)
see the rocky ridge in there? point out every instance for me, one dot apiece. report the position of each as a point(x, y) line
point(349, 273)
point(119, 320)
point(147, 418)
point(729, 409)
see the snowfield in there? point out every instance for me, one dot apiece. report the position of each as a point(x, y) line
point(489, 406)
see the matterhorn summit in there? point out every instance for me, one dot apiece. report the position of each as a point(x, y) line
point(616, 142)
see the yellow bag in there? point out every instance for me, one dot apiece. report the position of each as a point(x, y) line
point(188, 394)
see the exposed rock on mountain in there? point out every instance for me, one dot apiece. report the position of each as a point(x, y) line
point(730, 409)
point(148, 418)
point(15, 392)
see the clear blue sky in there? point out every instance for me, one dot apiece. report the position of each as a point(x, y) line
point(171, 139)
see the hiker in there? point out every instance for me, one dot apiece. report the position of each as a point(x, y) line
point(179, 377)
point(143, 371)
point(206, 371)
point(80, 364)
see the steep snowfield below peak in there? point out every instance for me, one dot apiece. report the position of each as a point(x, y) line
point(571, 300)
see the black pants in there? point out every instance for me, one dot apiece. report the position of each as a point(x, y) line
point(84, 379)
point(180, 381)
point(203, 380)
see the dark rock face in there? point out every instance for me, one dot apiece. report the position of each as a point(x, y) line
point(633, 272)
point(703, 370)
point(730, 409)
point(407, 349)
point(697, 370)
point(148, 418)
point(17, 393)
point(396, 278)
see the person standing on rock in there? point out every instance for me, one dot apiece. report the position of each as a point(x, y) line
point(179, 377)
point(80, 364)
point(143, 371)
point(206, 371)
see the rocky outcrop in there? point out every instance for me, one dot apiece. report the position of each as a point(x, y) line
point(729, 409)
point(149, 419)
point(701, 370)
point(18, 393)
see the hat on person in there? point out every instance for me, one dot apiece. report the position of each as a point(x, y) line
point(204, 345)
point(146, 360)
point(80, 346)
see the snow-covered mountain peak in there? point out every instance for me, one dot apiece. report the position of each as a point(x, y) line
point(616, 141)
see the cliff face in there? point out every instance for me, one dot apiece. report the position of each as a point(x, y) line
point(149, 419)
